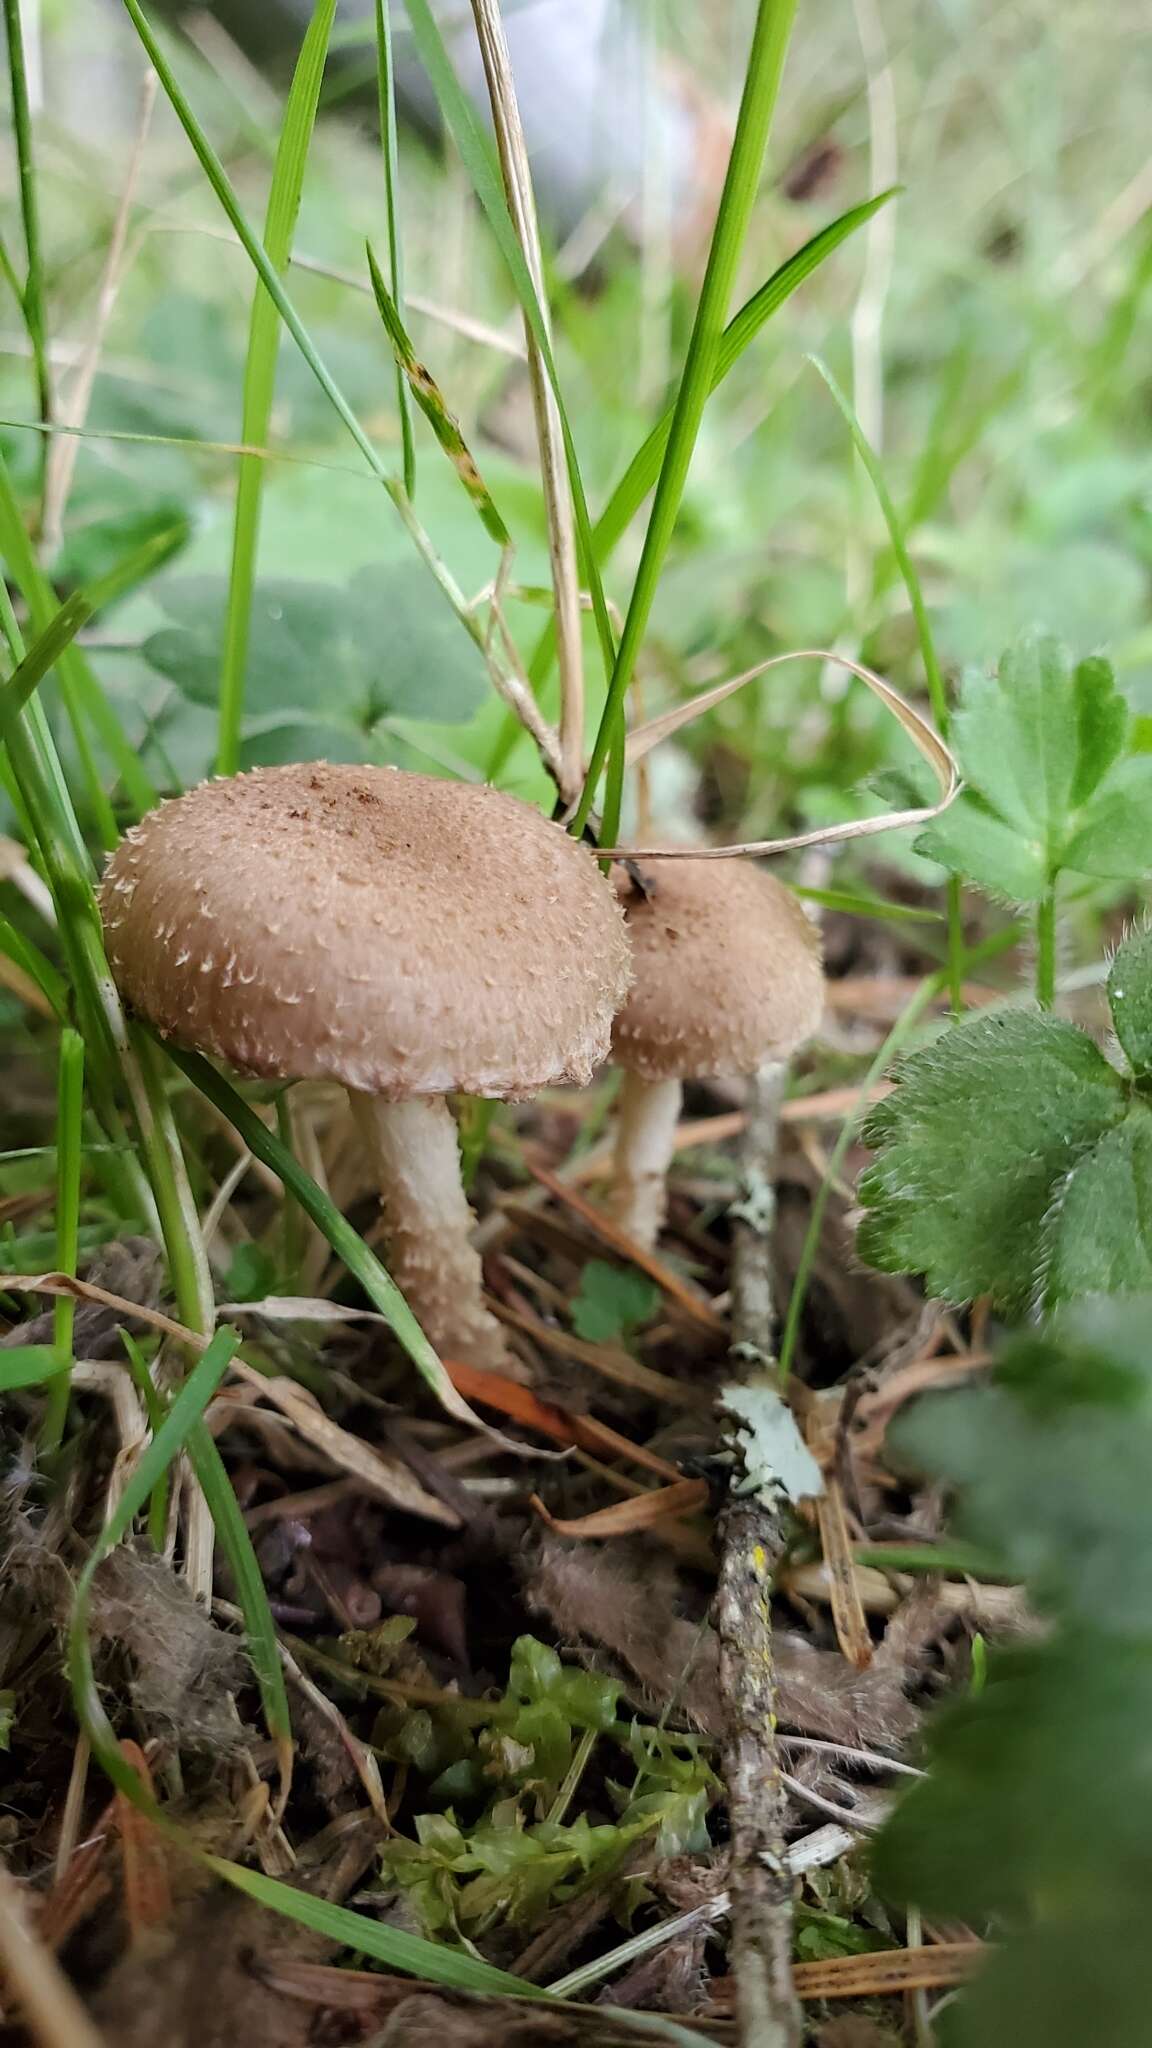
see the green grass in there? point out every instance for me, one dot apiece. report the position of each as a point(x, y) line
point(260, 375)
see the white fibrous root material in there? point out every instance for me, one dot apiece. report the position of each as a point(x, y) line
point(415, 1153)
point(647, 1115)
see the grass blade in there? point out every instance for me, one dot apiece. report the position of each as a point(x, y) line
point(391, 1945)
point(932, 672)
point(84, 700)
point(31, 298)
point(251, 1592)
point(644, 467)
point(69, 1165)
point(155, 1409)
point(937, 694)
point(430, 399)
point(390, 149)
point(29, 1365)
point(476, 152)
point(186, 1411)
point(260, 376)
point(740, 332)
point(770, 36)
point(74, 614)
point(36, 965)
point(345, 1242)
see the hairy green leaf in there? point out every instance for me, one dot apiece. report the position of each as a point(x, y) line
point(971, 1144)
point(1098, 1234)
point(1037, 1808)
point(1130, 999)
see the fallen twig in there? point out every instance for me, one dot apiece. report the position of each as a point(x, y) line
point(752, 1539)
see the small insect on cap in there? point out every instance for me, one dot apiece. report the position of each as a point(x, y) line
point(404, 935)
point(726, 972)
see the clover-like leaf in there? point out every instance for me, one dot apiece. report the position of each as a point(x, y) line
point(1039, 746)
point(979, 1131)
point(386, 645)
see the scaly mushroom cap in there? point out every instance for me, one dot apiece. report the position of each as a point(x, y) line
point(404, 935)
point(726, 971)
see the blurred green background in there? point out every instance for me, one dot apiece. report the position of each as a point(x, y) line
point(992, 325)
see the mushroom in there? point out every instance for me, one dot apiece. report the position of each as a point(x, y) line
point(403, 935)
point(726, 979)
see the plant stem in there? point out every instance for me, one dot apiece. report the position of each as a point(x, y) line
point(549, 428)
point(955, 944)
point(1046, 950)
point(765, 64)
point(390, 150)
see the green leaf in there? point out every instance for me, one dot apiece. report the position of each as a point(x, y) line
point(386, 645)
point(1098, 1235)
point(971, 1144)
point(1114, 837)
point(1064, 1983)
point(1052, 1463)
point(1130, 999)
point(1037, 737)
point(971, 840)
point(612, 1302)
point(1037, 1808)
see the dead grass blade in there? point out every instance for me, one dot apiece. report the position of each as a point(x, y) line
point(693, 1305)
point(363, 1761)
point(922, 734)
point(386, 1477)
point(51, 2010)
point(147, 1891)
point(564, 1425)
point(890, 1971)
point(605, 1359)
point(625, 1517)
point(848, 1616)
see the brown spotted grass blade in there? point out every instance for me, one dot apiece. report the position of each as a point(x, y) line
point(430, 399)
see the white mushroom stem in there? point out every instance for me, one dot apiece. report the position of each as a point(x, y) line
point(648, 1113)
point(416, 1154)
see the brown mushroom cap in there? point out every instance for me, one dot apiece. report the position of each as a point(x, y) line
point(401, 934)
point(726, 971)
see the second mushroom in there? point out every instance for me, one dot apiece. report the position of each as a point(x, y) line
point(727, 979)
